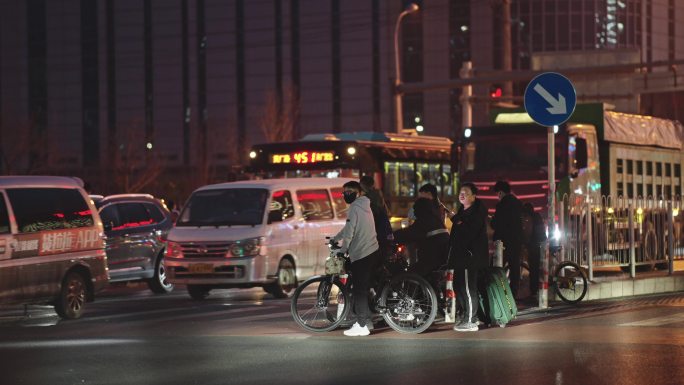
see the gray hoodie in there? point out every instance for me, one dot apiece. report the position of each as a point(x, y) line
point(358, 234)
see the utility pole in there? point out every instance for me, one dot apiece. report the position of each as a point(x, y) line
point(507, 50)
point(502, 11)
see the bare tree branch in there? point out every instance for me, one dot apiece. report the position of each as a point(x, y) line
point(278, 121)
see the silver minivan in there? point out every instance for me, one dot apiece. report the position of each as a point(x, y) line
point(268, 233)
point(51, 246)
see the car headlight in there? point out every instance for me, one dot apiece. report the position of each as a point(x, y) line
point(246, 248)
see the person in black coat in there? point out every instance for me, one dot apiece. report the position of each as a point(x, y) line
point(534, 241)
point(468, 253)
point(383, 227)
point(507, 225)
point(430, 236)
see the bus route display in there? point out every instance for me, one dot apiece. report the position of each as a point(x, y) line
point(302, 157)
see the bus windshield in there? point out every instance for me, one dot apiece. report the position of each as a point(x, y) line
point(496, 154)
point(225, 207)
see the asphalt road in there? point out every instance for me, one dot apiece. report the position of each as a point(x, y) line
point(130, 336)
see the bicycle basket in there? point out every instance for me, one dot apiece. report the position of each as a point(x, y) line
point(334, 265)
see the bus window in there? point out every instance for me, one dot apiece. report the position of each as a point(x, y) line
point(429, 173)
point(315, 204)
point(341, 206)
point(449, 185)
point(399, 179)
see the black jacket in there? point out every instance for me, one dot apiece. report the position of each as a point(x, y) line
point(538, 229)
point(432, 250)
point(469, 246)
point(507, 221)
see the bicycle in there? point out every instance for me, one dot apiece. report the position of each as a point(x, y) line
point(406, 301)
point(569, 280)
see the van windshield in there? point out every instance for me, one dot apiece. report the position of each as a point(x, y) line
point(225, 207)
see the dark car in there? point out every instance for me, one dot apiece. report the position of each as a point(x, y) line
point(136, 226)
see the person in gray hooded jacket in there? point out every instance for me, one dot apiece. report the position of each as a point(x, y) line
point(360, 241)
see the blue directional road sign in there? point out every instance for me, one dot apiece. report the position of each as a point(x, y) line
point(550, 99)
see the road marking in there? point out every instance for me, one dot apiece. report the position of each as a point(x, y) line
point(657, 321)
point(66, 343)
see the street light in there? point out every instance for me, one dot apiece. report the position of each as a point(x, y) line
point(410, 8)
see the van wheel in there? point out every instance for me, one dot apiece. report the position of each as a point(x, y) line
point(72, 297)
point(286, 281)
point(159, 283)
point(198, 293)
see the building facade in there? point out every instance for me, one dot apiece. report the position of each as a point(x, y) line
point(106, 89)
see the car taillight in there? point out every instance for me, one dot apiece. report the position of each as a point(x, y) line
point(173, 250)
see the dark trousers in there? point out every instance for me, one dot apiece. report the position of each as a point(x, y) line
point(533, 260)
point(466, 292)
point(512, 257)
point(432, 254)
point(362, 274)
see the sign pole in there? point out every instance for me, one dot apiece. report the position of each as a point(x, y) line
point(550, 99)
point(543, 294)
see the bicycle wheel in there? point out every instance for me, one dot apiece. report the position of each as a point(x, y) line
point(319, 304)
point(570, 282)
point(409, 303)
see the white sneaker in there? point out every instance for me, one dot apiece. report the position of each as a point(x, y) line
point(466, 327)
point(357, 331)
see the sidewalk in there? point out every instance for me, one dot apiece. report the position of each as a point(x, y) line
point(621, 285)
point(613, 283)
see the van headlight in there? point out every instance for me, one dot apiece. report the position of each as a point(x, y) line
point(246, 248)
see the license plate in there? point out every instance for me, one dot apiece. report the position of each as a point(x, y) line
point(201, 268)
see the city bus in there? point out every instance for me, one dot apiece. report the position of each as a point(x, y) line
point(399, 163)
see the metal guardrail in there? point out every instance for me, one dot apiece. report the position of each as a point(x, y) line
point(630, 233)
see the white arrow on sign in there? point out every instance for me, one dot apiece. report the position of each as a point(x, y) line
point(558, 106)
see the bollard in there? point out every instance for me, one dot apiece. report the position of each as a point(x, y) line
point(498, 253)
point(340, 296)
point(543, 294)
point(450, 300)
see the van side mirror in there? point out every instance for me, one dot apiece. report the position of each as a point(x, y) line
point(580, 153)
point(275, 216)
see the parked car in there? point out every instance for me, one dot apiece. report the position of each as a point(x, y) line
point(268, 233)
point(136, 226)
point(51, 247)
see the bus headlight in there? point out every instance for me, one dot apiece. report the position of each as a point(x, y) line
point(252, 154)
point(351, 150)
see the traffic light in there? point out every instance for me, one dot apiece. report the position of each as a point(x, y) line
point(495, 91)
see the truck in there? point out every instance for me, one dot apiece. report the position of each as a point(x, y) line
point(606, 164)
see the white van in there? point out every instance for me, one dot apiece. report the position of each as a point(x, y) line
point(268, 233)
point(51, 246)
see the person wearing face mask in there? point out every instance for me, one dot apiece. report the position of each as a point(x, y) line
point(468, 253)
point(359, 240)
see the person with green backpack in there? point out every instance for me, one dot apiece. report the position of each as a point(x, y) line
point(468, 253)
